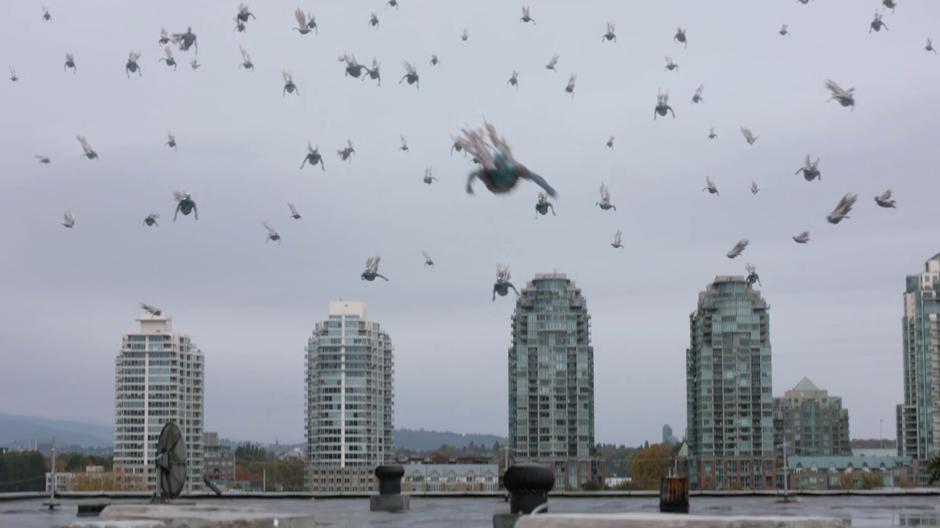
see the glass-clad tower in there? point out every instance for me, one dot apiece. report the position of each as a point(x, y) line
point(551, 381)
point(158, 378)
point(349, 371)
point(729, 403)
point(809, 421)
point(918, 418)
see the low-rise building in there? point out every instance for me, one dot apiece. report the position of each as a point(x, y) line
point(218, 459)
point(63, 482)
point(850, 472)
point(450, 477)
point(811, 422)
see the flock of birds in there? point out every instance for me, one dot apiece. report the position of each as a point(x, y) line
point(496, 165)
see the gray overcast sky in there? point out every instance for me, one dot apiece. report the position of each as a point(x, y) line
point(66, 296)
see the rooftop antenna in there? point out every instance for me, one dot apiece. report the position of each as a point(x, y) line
point(54, 480)
point(171, 464)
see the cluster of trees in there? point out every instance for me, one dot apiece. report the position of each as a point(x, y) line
point(22, 471)
point(446, 450)
point(265, 472)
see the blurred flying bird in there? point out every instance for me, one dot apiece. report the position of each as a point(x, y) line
point(670, 64)
point(877, 23)
point(551, 64)
point(605, 204)
point(289, 86)
point(890, 4)
point(346, 151)
point(152, 310)
point(502, 284)
point(374, 20)
point(525, 15)
point(680, 37)
point(243, 14)
point(543, 205)
point(514, 80)
point(810, 169)
point(171, 140)
point(372, 270)
point(13, 76)
point(618, 239)
point(151, 220)
point(885, 200)
point(186, 40)
point(404, 144)
point(710, 186)
point(185, 204)
point(570, 88)
point(132, 66)
point(802, 238)
point(293, 211)
point(303, 24)
point(754, 188)
point(738, 248)
point(411, 75)
point(434, 60)
point(246, 59)
point(428, 261)
point(748, 135)
point(169, 60)
point(428, 179)
point(273, 235)
point(392, 3)
point(465, 35)
point(45, 14)
point(784, 30)
point(752, 276)
point(70, 63)
point(499, 170)
point(164, 37)
point(610, 142)
point(842, 209)
point(89, 152)
point(68, 220)
point(353, 68)
point(373, 73)
point(712, 134)
point(455, 146)
point(43, 159)
point(662, 105)
point(929, 46)
point(194, 64)
point(697, 98)
point(609, 35)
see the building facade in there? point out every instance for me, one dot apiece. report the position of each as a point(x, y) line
point(450, 477)
point(349, 372)
point(158, 379)
point(668, 437)
point(810, 422)
point(218, 459)
point(850, 472)
point(551, 381)
point(918, 418)
point(729, 403)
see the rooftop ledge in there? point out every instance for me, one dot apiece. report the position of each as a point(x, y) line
point(652, 520)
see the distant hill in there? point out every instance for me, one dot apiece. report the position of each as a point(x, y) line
point(21, 430)
point(422, 440)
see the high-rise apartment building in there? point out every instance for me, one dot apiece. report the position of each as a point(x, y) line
point(810, 422)
point(349, 371)
point(158, 379)
point(551, 381)
point(918, 418)
point(729, 403)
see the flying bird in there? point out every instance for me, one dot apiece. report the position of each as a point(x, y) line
point(543, 205)
point(802, 238)
point(45, 14)
point(710, 186)
point(465, 35)
point(514, 80)
point(68, 220)
point(151, 220)
point(289, 86)
point(43, 159)
point(670, 64)
point(697, 98)
point(171, 140)
point(293, 211)
point(194, 64)
point(273, 235)
point(618, 240)
point(525, 15)
point(428, 179)
point(680, 37)
point(411, 75)
point(428, 261)
point(313, 157)
point(164, 37)
point(392, 3)
point(152, 310)
point(499, 170)
point(754, 188)
point(89, 152)
point(610, 142)
point(662, 105)
point(810, 169)
point(885, 200)
point(570, 88)
point(502, 284)
point(842, 208)
point(929, 47)
point(456, 145)
point(373, 73)
point(738, 248)
point(752, 276)
point(609, 35)
point(186, 40)
point(890, 4)
point(374, 20)
point(372, 270)
point(712, 134)
point(551, 64)
point(132, 66)
point(304, 25)
point(434, 60)
point(13, 76)
point(169, 60)
point(346, 151)
point(877, 23)
point(748, 135)
point(246, 59)
point(353, 68)
point(605, 204)
point(185, 204)
point(70, 63)
point(241, 18)
point(784, 30)
point(404, 144)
